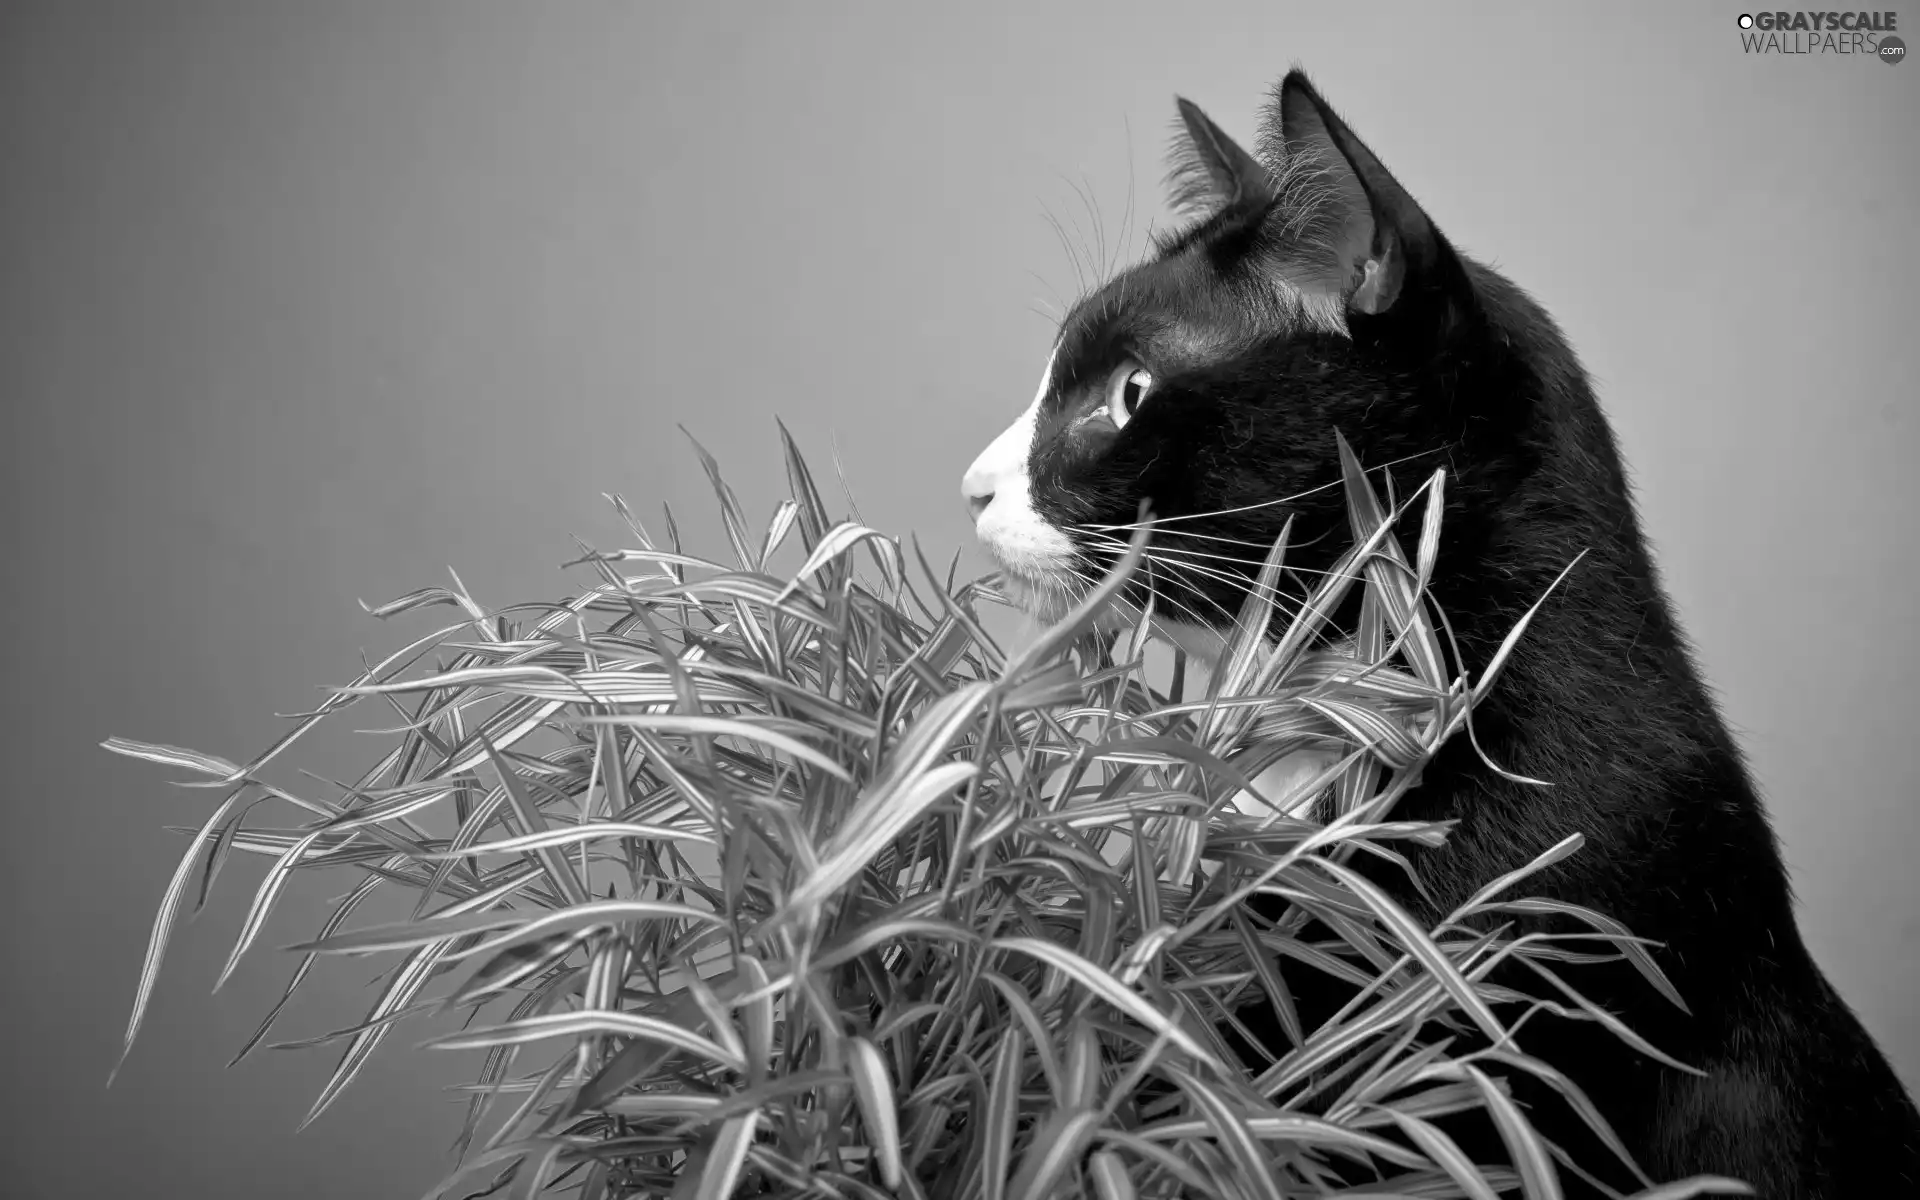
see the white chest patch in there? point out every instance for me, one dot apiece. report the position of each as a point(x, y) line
point(1285, 788)
point(1283, 782)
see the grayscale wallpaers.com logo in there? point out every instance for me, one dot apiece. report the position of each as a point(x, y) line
point(1867, 34)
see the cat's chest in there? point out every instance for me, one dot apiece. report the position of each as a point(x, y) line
point(1289, 786)
point(1284, 786)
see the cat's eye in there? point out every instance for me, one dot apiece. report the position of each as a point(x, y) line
point(1126, 388)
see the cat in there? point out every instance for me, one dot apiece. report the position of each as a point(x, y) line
point(1310, 293)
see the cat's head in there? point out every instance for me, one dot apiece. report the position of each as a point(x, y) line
point(1309, 293)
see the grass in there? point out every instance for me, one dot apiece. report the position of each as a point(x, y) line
point(790, 881)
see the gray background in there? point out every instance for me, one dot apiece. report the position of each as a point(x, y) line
point(301, 304)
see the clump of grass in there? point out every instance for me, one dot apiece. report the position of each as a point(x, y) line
point(794, 882)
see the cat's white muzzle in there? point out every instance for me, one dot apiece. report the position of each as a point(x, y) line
point(1037, 559)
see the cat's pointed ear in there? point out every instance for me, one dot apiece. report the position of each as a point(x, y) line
point(1207, 170)
point(1375, 244)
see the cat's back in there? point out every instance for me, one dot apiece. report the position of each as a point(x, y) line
point(1795, 1098)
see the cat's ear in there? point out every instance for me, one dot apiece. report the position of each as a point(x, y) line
point(1373, 245)
point(1207, 170)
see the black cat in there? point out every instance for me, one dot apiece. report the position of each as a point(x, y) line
point(1312, 295)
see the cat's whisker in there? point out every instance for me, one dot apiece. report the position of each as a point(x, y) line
point(1126, 214)
point(1297, 496)
point(1159, 597)
point(1171, 570)
point(1233, 581)
point(1154, 553)
point(1163, 548)
point(1166, 599)
point(1084, 190)
point(1185, 535)
point(1184, 573)
point(1256, 563)
point(1066, 245)
point(1289, 607)
point(1056, 312)
point(1114, 548)
point(1263, 547)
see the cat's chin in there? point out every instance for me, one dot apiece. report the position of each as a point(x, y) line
point(1040, 598)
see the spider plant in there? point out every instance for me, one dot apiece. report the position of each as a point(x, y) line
point(780, 876)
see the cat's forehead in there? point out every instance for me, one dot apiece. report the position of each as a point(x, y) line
point(1169, 312)
point(1181, 310)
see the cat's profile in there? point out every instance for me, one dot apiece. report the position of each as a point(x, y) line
point(1310, 294)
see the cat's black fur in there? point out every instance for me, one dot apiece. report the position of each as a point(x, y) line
point(1445, 363)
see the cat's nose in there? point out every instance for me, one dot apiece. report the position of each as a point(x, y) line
point(977, 487)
